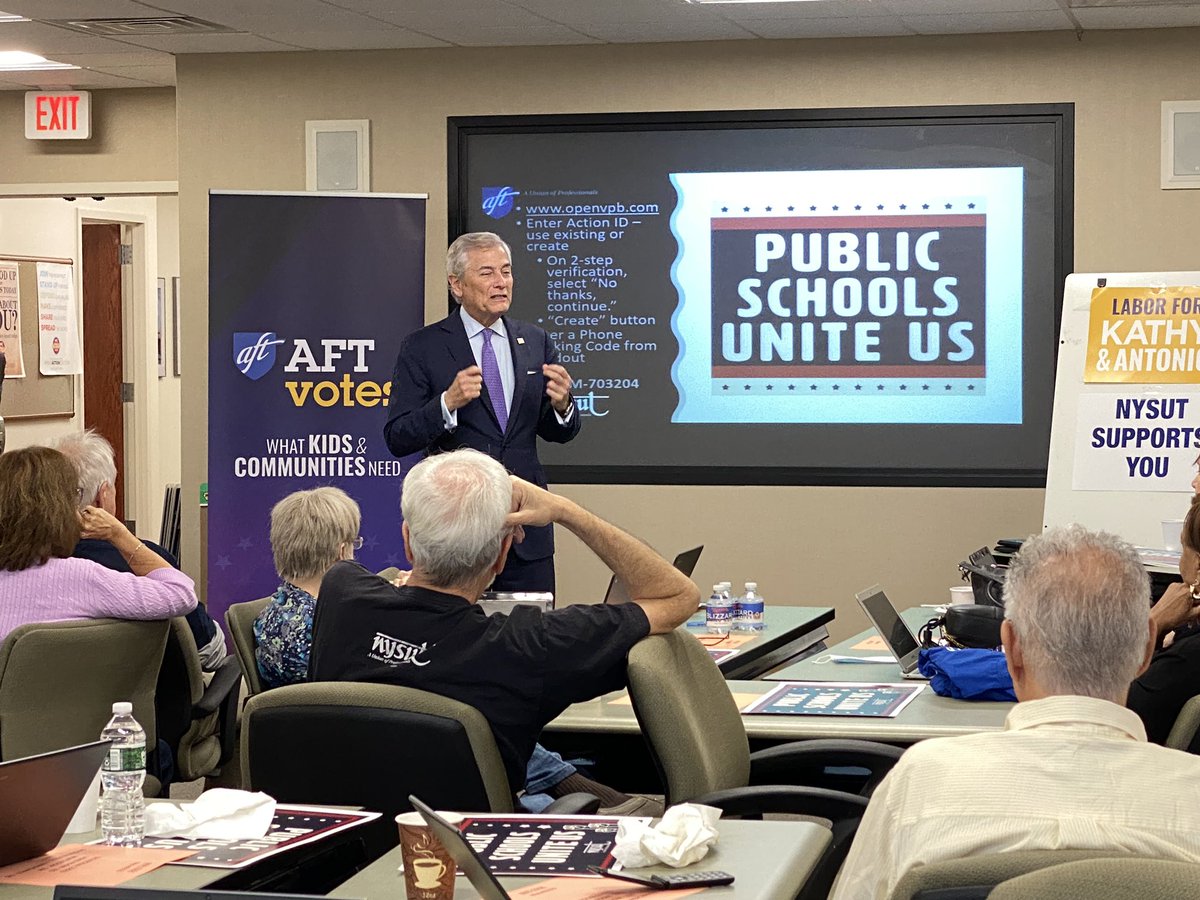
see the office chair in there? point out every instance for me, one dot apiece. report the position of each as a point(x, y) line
point(1183, 732)
point(1113, 879)
point(59, 680)
point(971, 877)
point(372, 745)
point(239, 622)
point(198, 721)
point(695, 735)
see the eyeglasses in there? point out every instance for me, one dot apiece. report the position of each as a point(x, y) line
point(357, 543)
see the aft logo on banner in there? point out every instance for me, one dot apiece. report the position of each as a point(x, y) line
point(254, 352)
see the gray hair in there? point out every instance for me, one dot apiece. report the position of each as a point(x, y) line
point(455, 505)
point(456, 256)
point(308, 529)
point(1079, 602)
point(94, 460)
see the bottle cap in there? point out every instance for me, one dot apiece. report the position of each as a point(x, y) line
point(122, 708)
point(752, 585)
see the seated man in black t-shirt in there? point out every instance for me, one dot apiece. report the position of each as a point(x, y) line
point(462, 512)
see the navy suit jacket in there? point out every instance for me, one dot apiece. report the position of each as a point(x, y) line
point(428, 361)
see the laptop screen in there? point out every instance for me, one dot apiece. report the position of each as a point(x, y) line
point(888, 623)
point(685, 562)
point(462, 853)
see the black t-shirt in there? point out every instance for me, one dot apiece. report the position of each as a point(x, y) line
point(519, 670)
point(1173, 678)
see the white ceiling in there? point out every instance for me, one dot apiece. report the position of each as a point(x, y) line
point(146, 60)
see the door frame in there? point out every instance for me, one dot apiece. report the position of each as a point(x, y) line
point(139, 327)
point(139, 313)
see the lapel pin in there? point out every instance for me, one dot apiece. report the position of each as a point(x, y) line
point(520, 340)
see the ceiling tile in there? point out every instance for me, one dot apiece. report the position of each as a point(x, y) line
point(381, 37)
point(80, 79)
point(945, 7)
point(876, 26)
point(572, 12)
point(833, 9)
point(972, 23)
point(511, 36)
point(79, 9)
point(261, 16)
point(208, 43)
point(162, 75)
point(1145, 17)
point(465, 14)
point(48, 40)
point(135, 56)
point(657, 32)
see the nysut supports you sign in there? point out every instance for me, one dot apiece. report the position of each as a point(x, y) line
point(1147, 437)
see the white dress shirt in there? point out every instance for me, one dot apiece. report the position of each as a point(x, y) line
point(1066, 773)
point(504, 362)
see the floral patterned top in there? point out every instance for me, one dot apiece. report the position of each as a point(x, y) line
point(283, 636)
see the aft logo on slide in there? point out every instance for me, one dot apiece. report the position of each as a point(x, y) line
point(254, 352)
point(498, 201)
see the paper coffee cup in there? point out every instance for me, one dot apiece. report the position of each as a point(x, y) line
point(84, 819)
point(428, 868)
point(960, 594)
point(1171, 529)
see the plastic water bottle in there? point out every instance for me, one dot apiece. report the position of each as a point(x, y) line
point(750, 607)
point(122, 806)
point(699, 619)
point(719, 612)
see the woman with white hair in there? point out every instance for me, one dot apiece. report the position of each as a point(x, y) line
point(310, 531)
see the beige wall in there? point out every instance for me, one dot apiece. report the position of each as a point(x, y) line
point(133, 139)
point(241, 125)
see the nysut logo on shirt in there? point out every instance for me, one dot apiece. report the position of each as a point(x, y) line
point(396, 652)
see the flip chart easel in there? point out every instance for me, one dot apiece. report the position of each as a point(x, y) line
point(1136, 516)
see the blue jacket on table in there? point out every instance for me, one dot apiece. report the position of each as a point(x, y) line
point(426, 365)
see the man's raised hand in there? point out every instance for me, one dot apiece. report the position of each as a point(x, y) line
point(467, 385)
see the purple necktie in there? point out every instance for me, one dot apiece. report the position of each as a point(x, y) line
point(491, 379)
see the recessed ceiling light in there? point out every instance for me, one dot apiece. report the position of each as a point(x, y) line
point(11, 17)
point(20, 61)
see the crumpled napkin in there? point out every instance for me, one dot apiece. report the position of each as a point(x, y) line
point(680, 838)
point(221, 813)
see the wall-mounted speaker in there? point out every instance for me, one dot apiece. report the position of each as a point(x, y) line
point(1181, 144)
point(338, 155)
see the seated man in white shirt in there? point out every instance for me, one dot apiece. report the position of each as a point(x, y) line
point(1072, 768)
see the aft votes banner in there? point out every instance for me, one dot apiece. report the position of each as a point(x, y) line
point(309, 298)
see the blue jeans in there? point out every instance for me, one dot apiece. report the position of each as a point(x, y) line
point(544, 770)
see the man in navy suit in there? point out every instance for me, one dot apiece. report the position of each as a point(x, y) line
point(480, 379)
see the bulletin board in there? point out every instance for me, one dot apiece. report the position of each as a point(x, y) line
point(1121, 452)
point(35, 396)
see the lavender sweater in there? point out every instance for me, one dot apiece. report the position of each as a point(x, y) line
point(64, 589)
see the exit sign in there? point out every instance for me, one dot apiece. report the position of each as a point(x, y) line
point(58, 115)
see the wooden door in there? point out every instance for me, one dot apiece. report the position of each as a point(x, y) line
point(103, 341)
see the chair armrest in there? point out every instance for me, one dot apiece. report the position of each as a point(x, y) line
point(1186, 724)
point(784, 798)
point(226, 677)
point(796, 762)
point(575, 804)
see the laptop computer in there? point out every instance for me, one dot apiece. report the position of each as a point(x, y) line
point(685, 562)
point(898, 636)
point(39, 795)
point(469, 862)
